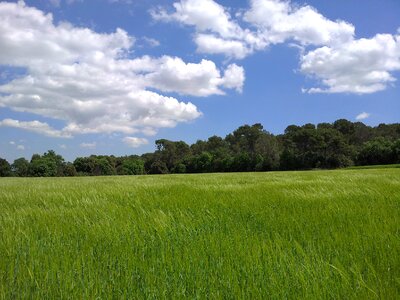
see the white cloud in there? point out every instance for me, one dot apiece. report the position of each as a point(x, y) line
point(361, 66)
point(279, 21)
point(149, 131)
point(12, 143)
point(217, 31)
point(172, 74)
point(363, 116)
point(21, 147)
point(63, 146)
point(135, 142)
point(93, 86)
point(234, 77)
point(329, 50)
point(35, 126)
point(270, 22)
point(88, 145)
point(209, 43)
point(203, 14)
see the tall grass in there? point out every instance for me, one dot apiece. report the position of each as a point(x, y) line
point(320, 234)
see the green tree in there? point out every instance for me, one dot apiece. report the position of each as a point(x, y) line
point(131, 166)
point(244, 138)
point(103, 167)
point(171, 153)
point(267, 152)
point(49, 164)
point(69, 170)
point(41, 167)
point(5, 168)
point(344, 126)
point(20, 167)
point(84, 165)
point(396, 151)
point(158, 167)
point(376, 152)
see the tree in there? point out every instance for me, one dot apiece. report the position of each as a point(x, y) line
point(179, 168)
point(84, 165)
point(267, 153)
point(41, 167)
point(396, 151)
point(376, 152)
point(335, 151)
point(324, 126)
point(302, 147)
point(131, 166)
point(20, 167)
point(102, 167)
point(53, 158)
point(171, 153)
point(389, 131)
point(344, 126)
point(158, 167)
point(69, 170)
point(361, 134)
point(243, 162)
point(245, 138)
point(49, 164)
point(248, 148)
point(5, 168)
point(203, 162)
point(309, 147)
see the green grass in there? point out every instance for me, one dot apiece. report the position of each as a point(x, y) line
point(310, 235)
point(374, 167)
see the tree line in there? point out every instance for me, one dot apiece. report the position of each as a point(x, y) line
point(248, 148)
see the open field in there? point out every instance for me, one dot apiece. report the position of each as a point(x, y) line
point(318, 234)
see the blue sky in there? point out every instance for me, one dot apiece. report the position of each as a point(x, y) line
point(189, 69)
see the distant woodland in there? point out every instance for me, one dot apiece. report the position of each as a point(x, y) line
point(248, 148)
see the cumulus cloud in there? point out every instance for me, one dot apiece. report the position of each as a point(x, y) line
point(35, 126)
point(172, 74)
point(135, 142)
point(86, 79)
point(209, 43)
point(216, 31)
point(149, 131)
point(361, 66)
point(269, 22)
point(21, 147)
point(363, 116)
point(330, 51)
point(203, 14)
point(279, 21)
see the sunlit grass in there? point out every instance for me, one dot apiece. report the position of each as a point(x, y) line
point(319, 234)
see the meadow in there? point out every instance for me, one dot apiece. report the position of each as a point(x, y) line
point(308, 235)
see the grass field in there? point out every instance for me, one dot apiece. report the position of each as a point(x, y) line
point(313, 235)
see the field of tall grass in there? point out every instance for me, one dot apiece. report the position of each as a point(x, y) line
point(311, 235)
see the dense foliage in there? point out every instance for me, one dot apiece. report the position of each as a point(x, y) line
point(248, 148)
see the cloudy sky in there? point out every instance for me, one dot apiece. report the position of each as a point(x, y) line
point(111, 76)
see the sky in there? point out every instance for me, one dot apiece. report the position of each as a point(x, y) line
point(109, 77)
